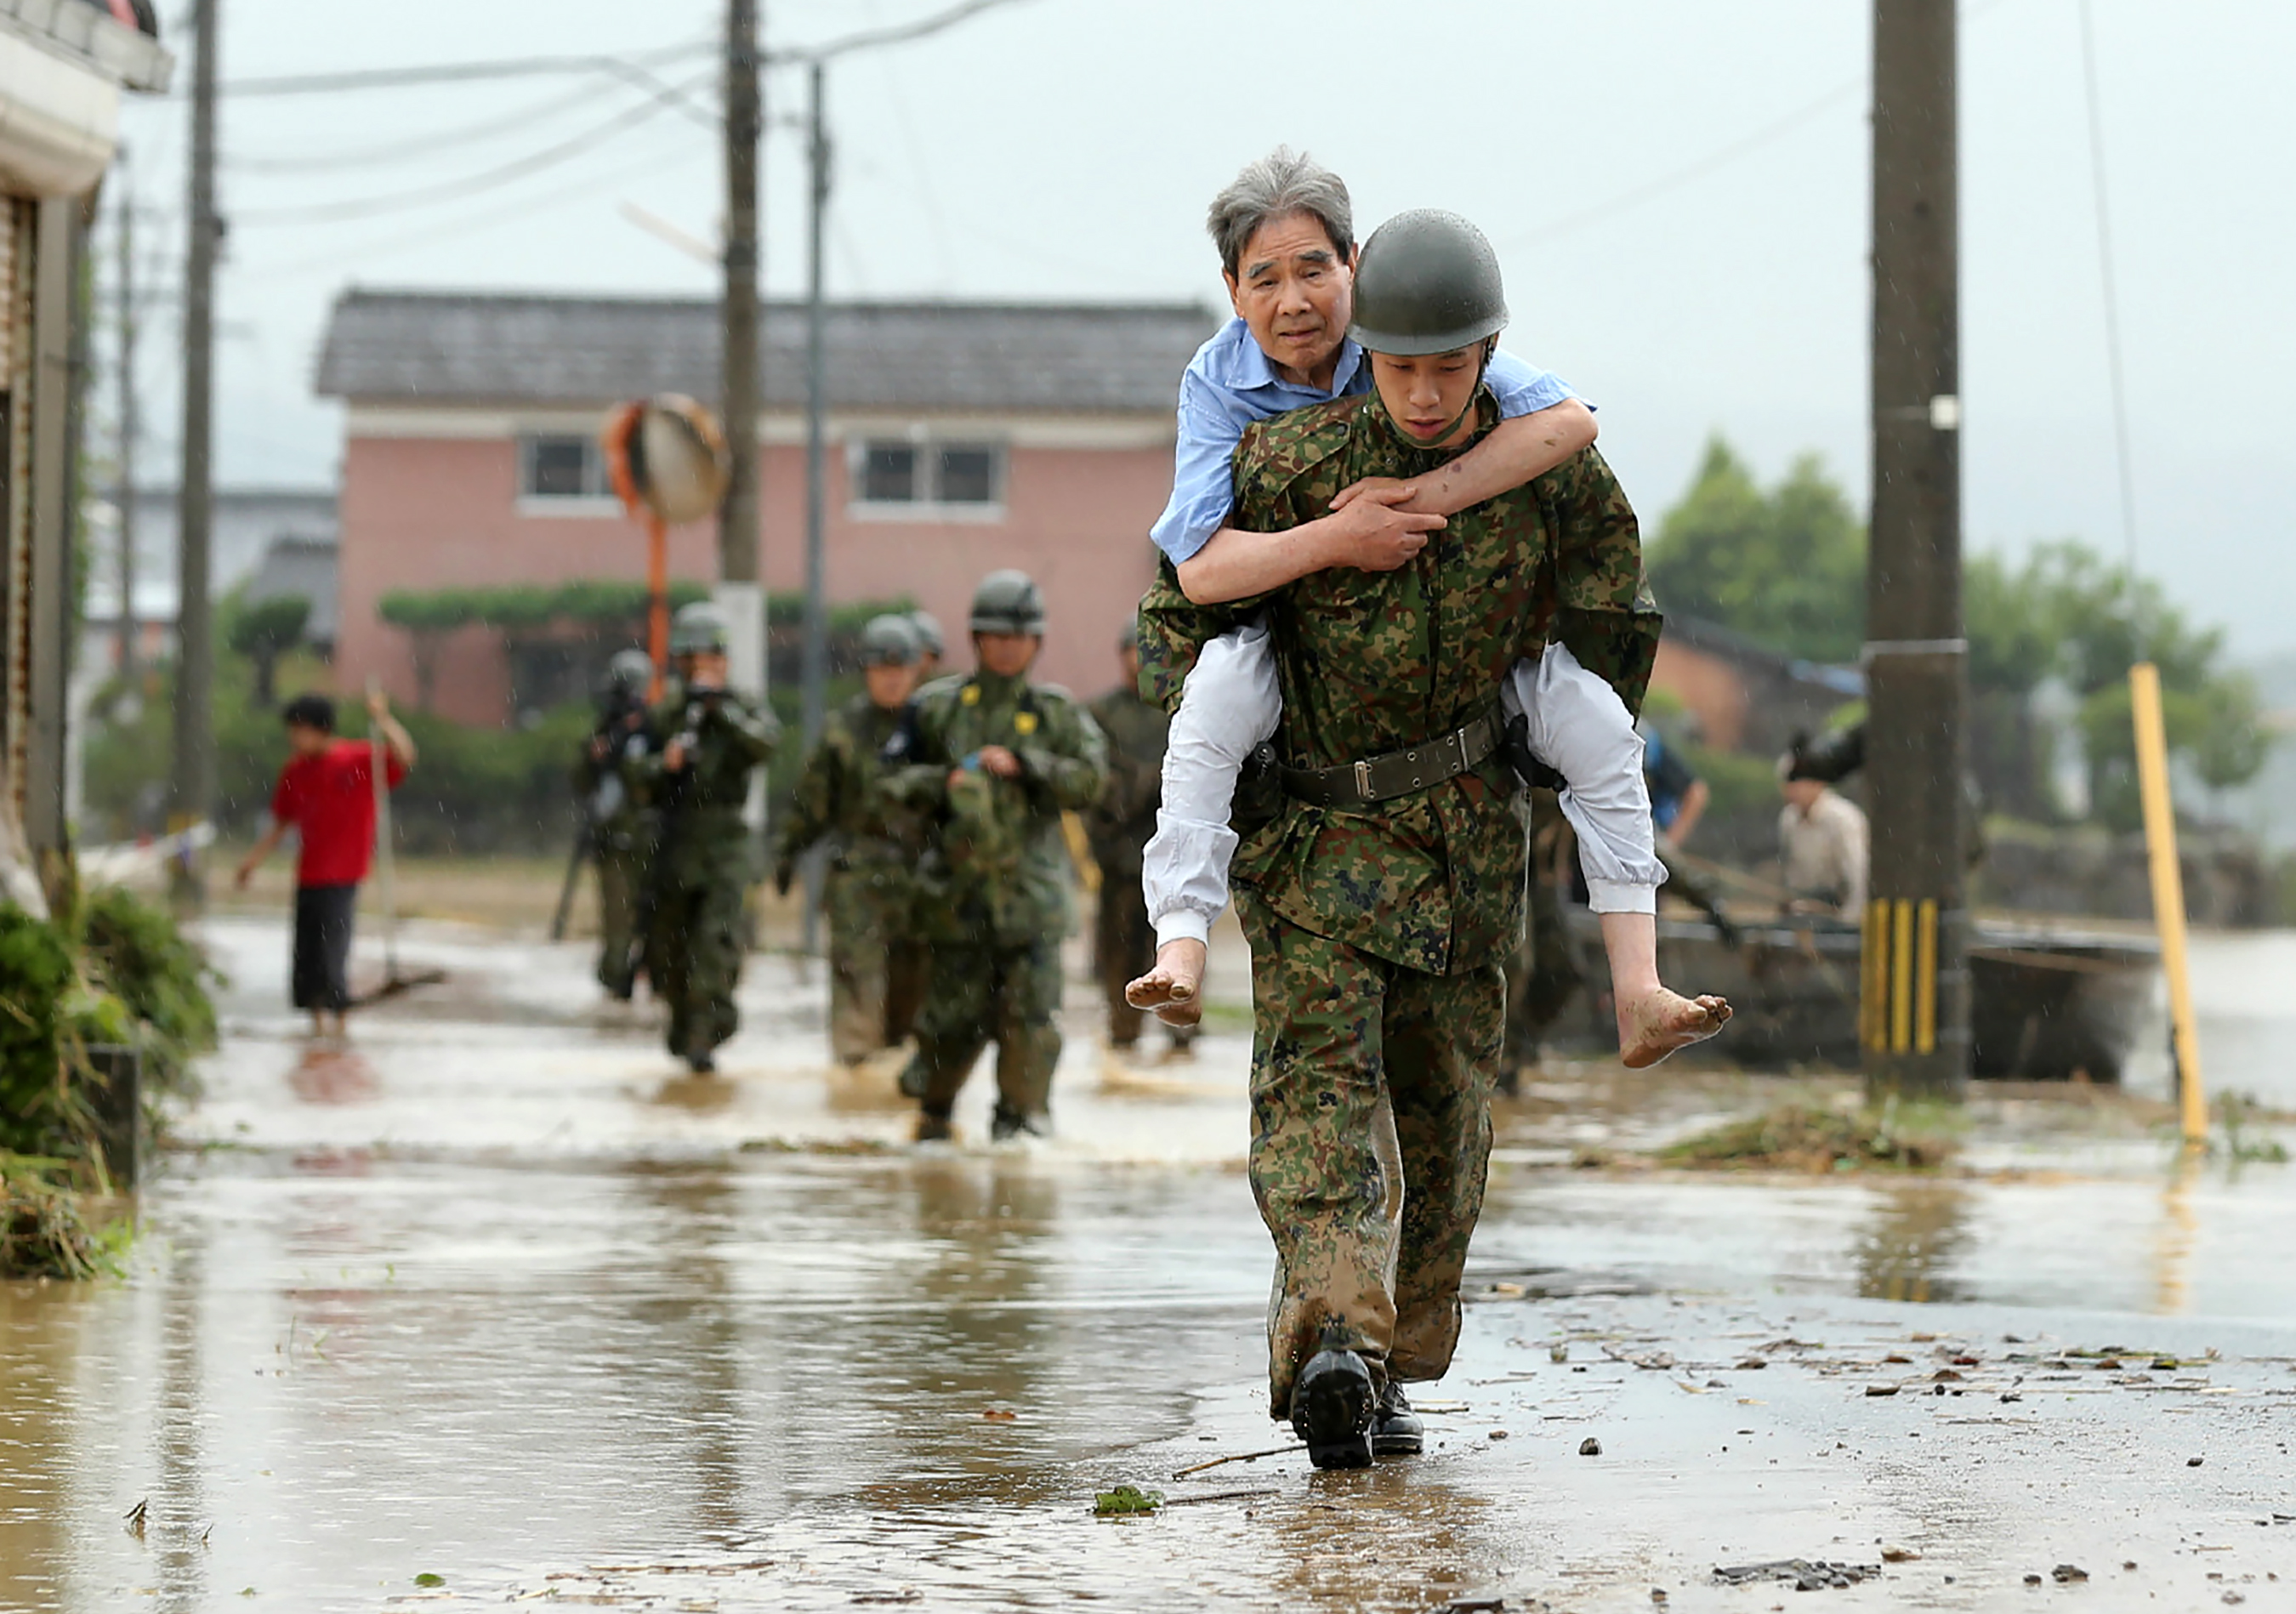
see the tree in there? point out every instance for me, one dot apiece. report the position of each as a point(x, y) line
point(263, 631)
point(1785, 568)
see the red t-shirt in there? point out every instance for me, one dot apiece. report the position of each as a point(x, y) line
point(331, 799)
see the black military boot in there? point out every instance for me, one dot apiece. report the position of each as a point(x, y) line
point(1395, 1430)
point(1332, 1402)
point(913, 1078)
point(701, 1060)
point(934, 1128)
point(1008, 1124)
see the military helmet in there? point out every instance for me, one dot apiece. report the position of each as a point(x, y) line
point(1008, 603)
point(930, 638)
point(629, 672)
point(888, 640)
point(1427, 282)
point(698, 629)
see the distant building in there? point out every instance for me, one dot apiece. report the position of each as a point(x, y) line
point(63, 68)
point(962, 437)
point(1741, 695)
point(247, 524)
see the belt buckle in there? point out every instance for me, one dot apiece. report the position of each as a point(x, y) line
point(1363, 780)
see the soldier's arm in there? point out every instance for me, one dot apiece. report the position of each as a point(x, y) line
point(1605, 615)
point(813, 803)
point(923, 781)
point(751, 731)
point(1069, 764)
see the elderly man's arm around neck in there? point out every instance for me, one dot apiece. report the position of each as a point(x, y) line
point(1380, 523)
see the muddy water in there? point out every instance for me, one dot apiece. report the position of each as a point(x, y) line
point(496, 1296)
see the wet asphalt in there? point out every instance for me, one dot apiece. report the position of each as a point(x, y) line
point(496, 1295)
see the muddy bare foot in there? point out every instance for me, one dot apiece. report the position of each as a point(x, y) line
point(1174, 986)
point(1665, 1022)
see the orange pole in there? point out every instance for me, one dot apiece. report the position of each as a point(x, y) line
point(658, 605)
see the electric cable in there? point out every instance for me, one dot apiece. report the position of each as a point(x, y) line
point(2118, 386)
point(454, 190)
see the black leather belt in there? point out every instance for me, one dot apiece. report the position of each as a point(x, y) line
point(1397, 772)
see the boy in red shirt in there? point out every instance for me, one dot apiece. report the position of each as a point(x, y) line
point(327, 791)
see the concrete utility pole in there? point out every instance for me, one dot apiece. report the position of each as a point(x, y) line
point(1916, 998)
point(194, 760)
point(737, 519)
point(130, 426)
point(816, 493)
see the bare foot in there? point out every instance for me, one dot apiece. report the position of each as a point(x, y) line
point(1664, 1022)
point(1174, 987)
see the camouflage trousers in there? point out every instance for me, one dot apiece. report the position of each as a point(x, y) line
point(694, 962)
point(1542, 982)
point(909, 974)
point(1123, 947)
point(866, 912)
point(1010, 996)
point(1371, 1134)
point(621, 880)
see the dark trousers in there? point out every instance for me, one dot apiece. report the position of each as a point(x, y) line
point(322, 945)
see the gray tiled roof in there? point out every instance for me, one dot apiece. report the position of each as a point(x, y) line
point(487, 348)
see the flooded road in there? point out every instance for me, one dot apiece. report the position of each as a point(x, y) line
point(496, 1296)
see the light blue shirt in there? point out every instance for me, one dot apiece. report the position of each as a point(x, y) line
point(1232, 382)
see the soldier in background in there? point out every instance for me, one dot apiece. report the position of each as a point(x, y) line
point(1118, 826)
point(620, 830)
point(931, 643)
point(908, 965)
point(995, 759)
point(709, 739)
point(874, 841)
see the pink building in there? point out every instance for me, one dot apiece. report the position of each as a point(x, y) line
point(962, 437)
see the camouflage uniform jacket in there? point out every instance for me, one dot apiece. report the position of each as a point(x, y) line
point(619, 822)
point(1125, 816)
point(1372, 662)
point(843, 796)
point(703, 835)
point(998, 872)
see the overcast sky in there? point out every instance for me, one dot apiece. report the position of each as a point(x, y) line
point(1677, 190)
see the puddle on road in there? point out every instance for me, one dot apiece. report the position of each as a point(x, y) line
point(502, 1298)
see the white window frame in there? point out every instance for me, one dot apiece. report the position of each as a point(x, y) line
point(927, 446)
point(601, 502)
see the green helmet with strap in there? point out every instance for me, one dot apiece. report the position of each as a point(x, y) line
point(888, 640)
point(930, 638)
point(629, 673)
point(1008, 603)
point(698, 629)
point(1427, 282)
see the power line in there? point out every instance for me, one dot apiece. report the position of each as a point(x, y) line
point(462, 72)
point(471, 225)
point(420, 146)
point(896, 34)
point(455, 190)
point(2112, 306)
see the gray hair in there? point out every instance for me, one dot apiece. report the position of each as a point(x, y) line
point(1281, 182)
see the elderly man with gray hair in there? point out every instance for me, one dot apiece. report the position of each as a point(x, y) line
point(1284, 229)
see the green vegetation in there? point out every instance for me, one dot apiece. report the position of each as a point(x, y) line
point(263, 632)
point(116, 971)
point(1815, 1138)
point(1786, 567)
point(1125, 1500)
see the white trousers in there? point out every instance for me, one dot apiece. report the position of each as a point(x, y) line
point(1232, 703)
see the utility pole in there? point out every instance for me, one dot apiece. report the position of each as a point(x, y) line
point(816, 388)
point(129, 426)
point(1916, 998)
point(737, 519)
point(194, 758)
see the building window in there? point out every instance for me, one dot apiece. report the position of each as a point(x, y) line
point(561, 467)
point(919, 479)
